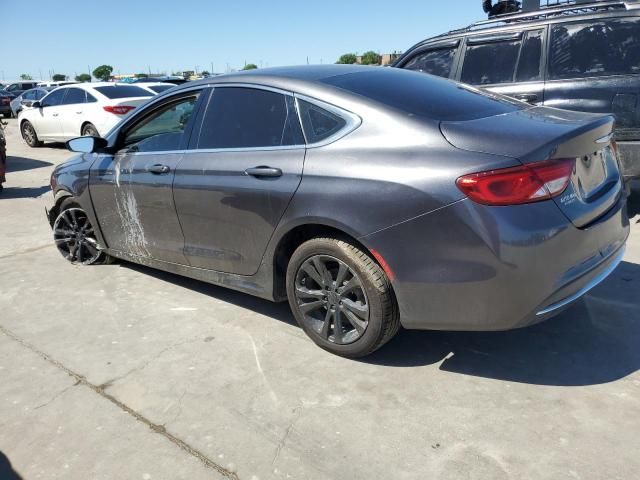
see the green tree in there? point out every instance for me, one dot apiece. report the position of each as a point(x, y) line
point(59, 77)
point(83, 77)
point(250, 66)
point(204, 73)
point(371, 58)
point(103, 72)
point(348, 59)
point(141, 75)
point(26, 76)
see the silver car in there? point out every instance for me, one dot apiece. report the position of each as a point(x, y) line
point(26, 99)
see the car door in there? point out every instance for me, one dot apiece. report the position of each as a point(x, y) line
point(233, 187)
point(47, 120)
point(508, 63)
point(132, 188)
point(71, 112)
point(437, 58)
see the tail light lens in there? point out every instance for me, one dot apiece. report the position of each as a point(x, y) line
point(119, 109)
point(5, 100)
point(518, 185)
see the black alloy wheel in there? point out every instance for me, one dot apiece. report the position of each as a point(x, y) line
point(75, 238)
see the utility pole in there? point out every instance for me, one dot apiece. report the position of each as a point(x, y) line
point(211, 72)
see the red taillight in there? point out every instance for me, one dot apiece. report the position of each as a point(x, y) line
point(513, 186)
point(119, 109)
point(5, 100)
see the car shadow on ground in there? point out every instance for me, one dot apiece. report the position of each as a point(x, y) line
point(21, 164)
point(633, 205)
point(6, 470)
point(594, 342)
point(18, 192)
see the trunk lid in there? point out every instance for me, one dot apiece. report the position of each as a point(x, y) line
point(542, 133)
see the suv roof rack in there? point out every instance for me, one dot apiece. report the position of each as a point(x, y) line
point(552, 8)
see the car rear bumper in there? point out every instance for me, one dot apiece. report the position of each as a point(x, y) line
point(630, 157)
point(473, 267)
point(5, 109)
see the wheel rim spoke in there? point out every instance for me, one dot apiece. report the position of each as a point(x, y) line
point(74, 237)
point(331, 299)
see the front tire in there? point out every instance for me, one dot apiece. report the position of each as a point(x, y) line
point(341, 297)
point(75, 237)
point(90, 131)
point(29, 135)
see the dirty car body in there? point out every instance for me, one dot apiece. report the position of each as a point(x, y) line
point(400, 177)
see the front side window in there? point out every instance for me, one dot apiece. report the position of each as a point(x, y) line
point(238, 117)
point(318, 123)
point(490, 63)
point(163, 130)
point(54, 98)
point(74, 96)
point(436, 62)
point(595, 49)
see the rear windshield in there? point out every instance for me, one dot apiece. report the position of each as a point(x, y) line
point(424, 95)
point(123, 91)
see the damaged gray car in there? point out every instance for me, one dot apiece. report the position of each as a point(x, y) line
point(368, 198)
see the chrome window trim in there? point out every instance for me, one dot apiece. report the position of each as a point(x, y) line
point(248, 149)
point(352, 120)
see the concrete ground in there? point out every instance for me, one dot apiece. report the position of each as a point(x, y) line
point(122, 372)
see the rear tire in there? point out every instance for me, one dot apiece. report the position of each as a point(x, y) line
point(90, 131)
point(341, 297)
point(29, 135)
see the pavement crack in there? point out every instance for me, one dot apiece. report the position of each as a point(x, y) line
point(296, 415)
point(159, 429)
point(57, 395)
point(26, 250)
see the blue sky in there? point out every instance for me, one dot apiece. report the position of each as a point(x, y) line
point(166, 35)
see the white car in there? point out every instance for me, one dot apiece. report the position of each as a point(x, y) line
point(85, 109)
point(155, 87)
point(57, 84)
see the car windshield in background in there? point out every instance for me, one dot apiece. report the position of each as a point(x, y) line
point(161, 88)
point(424, 95)
point(123, 91)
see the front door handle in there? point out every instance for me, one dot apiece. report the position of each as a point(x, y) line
point(158, 169)
point(263, 172)
point(55, 114)
point(527, 97)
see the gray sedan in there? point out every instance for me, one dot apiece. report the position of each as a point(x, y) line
point(369, 198)
point(26, 99)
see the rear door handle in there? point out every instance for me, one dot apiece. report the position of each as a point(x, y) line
point(263, 172)
point(158, 169)
point(55, 114)
point(527, 97)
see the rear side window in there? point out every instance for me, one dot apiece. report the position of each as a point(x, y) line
point(239, 117)
point(490, 63)
point(123, 91)
point(595, 49)
point(436, 62)
point(424, 95)
point(319, 123)
point(530, 58)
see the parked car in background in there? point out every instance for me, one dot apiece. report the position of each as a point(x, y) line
point(56, 84)
point(83, 109)
point(18, 87)
point(26, 99)
point(167, 79)
point(3, 156)
point(5, 103)
point(583, 57)
point(368, 197)
point(156, 87)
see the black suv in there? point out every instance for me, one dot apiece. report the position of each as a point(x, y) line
point(580, 56)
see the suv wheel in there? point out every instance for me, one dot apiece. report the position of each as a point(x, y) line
point(341, 297)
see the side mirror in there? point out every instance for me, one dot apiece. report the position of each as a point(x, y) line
point(86, 144)
point(36, 105)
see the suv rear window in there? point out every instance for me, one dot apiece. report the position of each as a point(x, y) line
point(581, 50)
point(123, 91)
point(423, 95)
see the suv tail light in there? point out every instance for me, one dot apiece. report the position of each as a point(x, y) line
point(5, 100)
point(518, 185)
point(119, 109)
